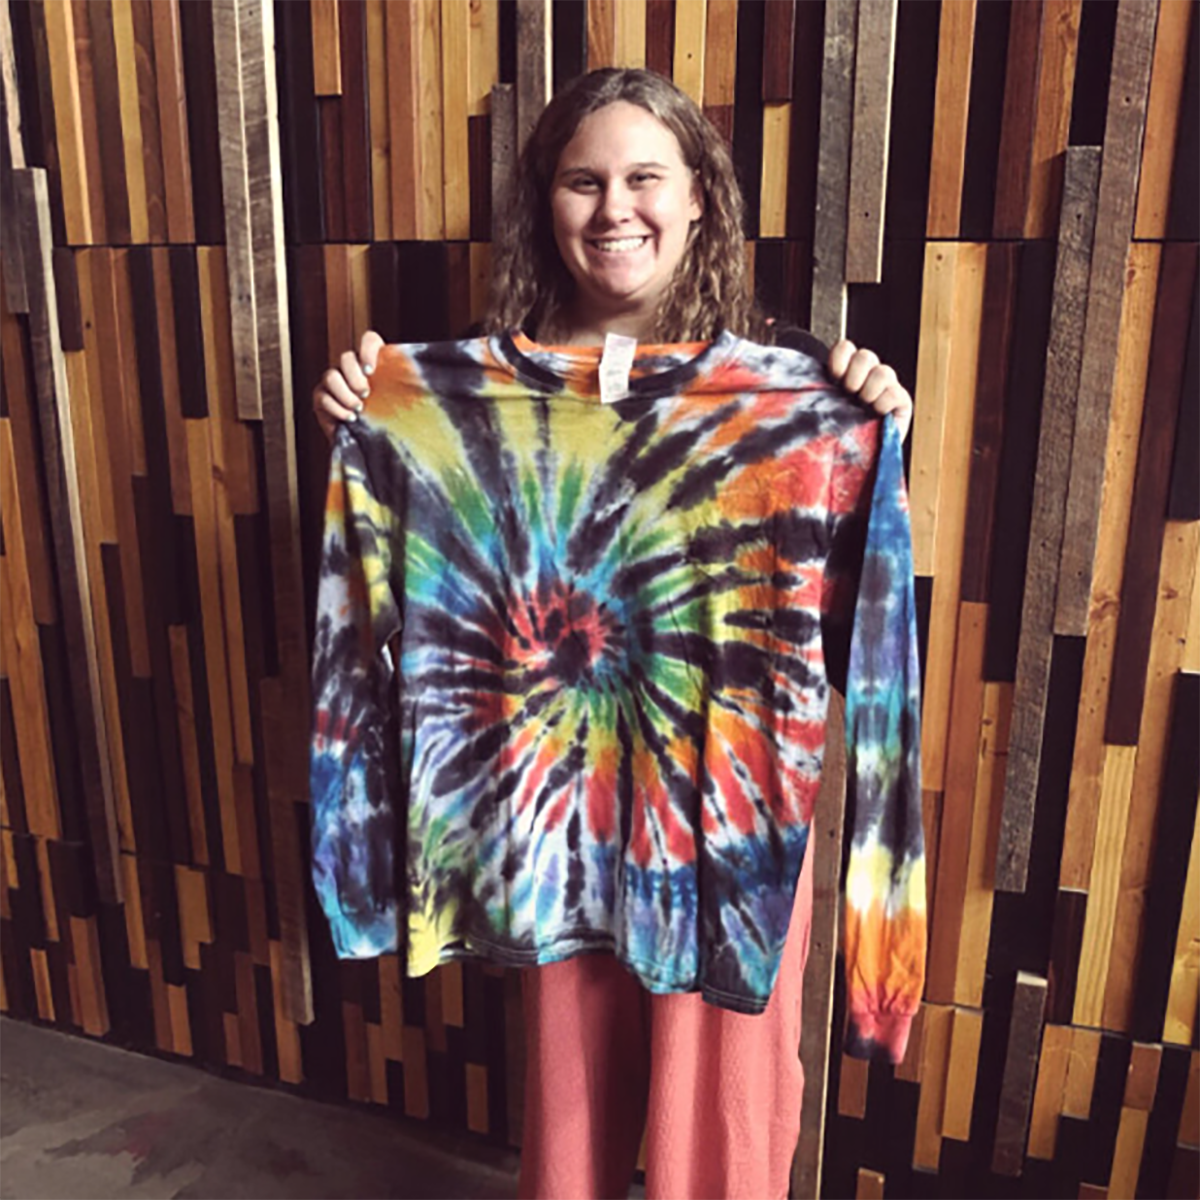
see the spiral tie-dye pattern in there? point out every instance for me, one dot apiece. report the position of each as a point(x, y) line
point(572, 664)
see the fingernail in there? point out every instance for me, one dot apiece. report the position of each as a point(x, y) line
point(352, 417)
point(365, 393)
point(368, 368)
point(358, 407)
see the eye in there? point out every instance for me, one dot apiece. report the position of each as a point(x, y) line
point(644, 176)
point(582, 183)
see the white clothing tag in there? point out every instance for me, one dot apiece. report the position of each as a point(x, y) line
point(615, 365)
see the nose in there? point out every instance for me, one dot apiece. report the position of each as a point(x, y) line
point(616, 204)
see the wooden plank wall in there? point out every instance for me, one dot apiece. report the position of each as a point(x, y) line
point(998, 198)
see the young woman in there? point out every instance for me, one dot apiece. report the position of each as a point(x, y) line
point(627, 219)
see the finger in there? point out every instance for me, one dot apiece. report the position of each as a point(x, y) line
point(352, 373)
point(878, 381)
point(860, 367)
point(334, 382)
point(368, 350)
point(839, 358)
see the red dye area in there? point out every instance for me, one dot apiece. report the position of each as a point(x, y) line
point(560, 634)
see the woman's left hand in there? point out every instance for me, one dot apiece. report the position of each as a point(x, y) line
point(861, 373)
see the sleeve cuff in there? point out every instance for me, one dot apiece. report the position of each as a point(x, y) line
point(882, 1036)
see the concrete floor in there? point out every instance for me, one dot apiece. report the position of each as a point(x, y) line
point(80, 1120)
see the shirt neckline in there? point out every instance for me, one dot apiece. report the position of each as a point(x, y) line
point(556, 368)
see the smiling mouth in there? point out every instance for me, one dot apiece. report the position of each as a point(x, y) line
point(623, 245)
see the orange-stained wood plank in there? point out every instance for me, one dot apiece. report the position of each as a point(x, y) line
point(958, 803)
point(405, 163)
point(483, 55)
point(247, 1002)
point(381, 150)
point(326, 47)
point(1111, 824)
point(287, 1034)
point(215, 641)
point(870, 1185)
point(452, 994)
point(172, 116)
point(1163, 111)
point(1127, 1153)
point(456, 173)
point(1179, 1022)
point(1048, 1094)
point(131, 119)
point(1052, 117)
point(954, 471)
point(1081, 1073)
point(776, 142)
point(195, 913)
point(181, 1025)
point(961, 1072)
point(956, 43)
point(85, 940)
point(44, 996)
point(985, 832)
point(22, 659)
point(1176, 598)
point(64, 83)
point(135, 925)
point(85, 61)
point(927, 1145)
point(1141, 1080)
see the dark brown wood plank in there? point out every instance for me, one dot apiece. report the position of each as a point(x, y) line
point(995, 346)
point(1060, 396)
point(355, 119)
point(1184, 502)
point(66, 285)
point(779, 41)
point(111, 131)
point(660, 35)
point(1014, 172)
point(333, 175)
point(1020, 1069)
point(200, 78)
point(1128, 87)
point(1143, 551)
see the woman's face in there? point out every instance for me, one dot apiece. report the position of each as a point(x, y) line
point(622, 201)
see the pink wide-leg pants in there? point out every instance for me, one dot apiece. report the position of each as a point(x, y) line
point(717, 1093)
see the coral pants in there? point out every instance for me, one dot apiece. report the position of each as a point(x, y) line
point(717, 1093)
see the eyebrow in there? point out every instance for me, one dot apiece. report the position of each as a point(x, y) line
point(632, 167)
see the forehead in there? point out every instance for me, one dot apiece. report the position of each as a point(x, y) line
point(617, 134)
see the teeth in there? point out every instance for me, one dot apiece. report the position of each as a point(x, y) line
point(621, 243)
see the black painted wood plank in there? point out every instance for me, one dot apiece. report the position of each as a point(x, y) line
point(984, 119)
point(189, 331)
point(200, 81)
point(568, 24)
point(1183, 503)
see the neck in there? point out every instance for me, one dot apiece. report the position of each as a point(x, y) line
point(573, 328)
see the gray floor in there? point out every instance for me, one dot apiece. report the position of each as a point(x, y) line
point(80, 1120)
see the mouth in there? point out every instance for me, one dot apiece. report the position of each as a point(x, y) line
point(623, 245)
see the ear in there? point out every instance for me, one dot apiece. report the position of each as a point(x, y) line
point(696, 202)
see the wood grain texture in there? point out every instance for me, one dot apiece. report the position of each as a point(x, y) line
point(377, 106)
point(1020, 1067)
point(956, 37)
point(456, 166)
point(828, 319)
point(875, 51)
point(1114, 222)
point(1124, 434)
point(64, 79)
point(1139, 583)
point(1014, 168)
point(355, 120)
point(1055, 437)
point(779, 39)
point(172, 116)
point(1048, 1092)
point(776, 139)
point(688, 65)
point(533, 64)
point(49, 372)
point(962, 1068)
point(327, 59)
point(720, 54)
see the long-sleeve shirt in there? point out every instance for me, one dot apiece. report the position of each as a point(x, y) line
point(573, 659)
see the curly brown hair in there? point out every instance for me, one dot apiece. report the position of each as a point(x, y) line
point(709, 292)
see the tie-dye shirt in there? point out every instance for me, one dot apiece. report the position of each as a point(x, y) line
point(572, 664)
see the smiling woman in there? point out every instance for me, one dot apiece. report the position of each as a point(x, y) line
point(624, 206)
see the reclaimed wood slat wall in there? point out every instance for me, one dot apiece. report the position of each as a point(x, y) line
point(205, 203)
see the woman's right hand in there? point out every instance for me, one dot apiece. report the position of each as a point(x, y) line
point(340, 394)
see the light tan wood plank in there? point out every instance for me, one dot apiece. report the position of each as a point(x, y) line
point(456, 172)
point(927, 1145)
point(1127, 1154)
point(1081, 1073)
point(431, 206)
point(691, 22)
point(64, 84)
point(131, 119)
point(1180, 1019)
point(776, 141)
point(483, 55)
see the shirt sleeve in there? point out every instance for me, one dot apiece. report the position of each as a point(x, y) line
point(353, 755)
point(871, 628)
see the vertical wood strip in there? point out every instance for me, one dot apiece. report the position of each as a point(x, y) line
point(956, 43)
